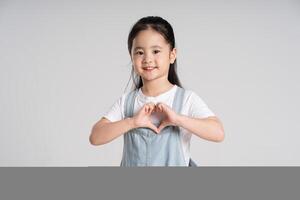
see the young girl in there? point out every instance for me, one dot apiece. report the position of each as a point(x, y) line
point(158, 117)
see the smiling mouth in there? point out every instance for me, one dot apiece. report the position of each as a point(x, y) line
point(149, 68)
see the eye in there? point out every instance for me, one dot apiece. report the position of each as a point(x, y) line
point(156, 51)
point(139, 53)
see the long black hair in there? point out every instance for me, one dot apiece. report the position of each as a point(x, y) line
point(165, 29)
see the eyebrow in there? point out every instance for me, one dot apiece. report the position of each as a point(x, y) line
point(154, 46)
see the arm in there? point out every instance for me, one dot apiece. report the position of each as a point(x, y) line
point(209, 128)
point(105, 131)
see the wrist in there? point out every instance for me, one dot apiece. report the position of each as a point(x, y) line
point(131, 123)
point(178, 119)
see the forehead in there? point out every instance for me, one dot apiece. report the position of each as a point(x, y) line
point(149, 39)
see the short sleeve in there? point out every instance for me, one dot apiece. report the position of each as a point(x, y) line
point(198, 107)
point(115, 113)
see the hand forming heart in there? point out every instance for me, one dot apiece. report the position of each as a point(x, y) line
point(142, 118)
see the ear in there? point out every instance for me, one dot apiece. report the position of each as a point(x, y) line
point(173, 55)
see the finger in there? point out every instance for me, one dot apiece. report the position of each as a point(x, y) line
point(152, 107)
point(165, 108)
point(158, 107)
point(161, 107)
point(151, 104)
point(161, 126)
point(148, 108)
point(153, 127)
point(149, 111)
point(155, 108)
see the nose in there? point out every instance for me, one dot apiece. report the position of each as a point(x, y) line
point(147, 58)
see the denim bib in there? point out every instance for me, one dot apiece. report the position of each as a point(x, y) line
point(143, 147)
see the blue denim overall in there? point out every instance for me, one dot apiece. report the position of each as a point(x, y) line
point(143, 147)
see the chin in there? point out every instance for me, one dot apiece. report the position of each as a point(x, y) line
point(149, 78)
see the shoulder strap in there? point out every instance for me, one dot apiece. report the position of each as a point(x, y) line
point(129, 103)
point(178, 99)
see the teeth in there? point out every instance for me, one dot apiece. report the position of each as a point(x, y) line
point(148, 68)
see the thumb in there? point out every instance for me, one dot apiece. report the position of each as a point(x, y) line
point(153, 127)
point(162, 126)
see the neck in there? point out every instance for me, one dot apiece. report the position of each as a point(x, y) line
point(156, 87)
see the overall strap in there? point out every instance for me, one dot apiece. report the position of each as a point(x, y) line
point(177, 105)
point(129, 104)
point(178, 100)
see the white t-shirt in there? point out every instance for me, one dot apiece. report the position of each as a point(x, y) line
point(193, 106)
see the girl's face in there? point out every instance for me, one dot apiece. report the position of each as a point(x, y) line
point(151, 55)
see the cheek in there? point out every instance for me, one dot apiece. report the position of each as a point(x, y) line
point(136, 67)
point(136, 70)
point(163, 57)
point(137, 59)
point(163, 60)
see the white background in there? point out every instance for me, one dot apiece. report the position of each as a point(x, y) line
point(64, 63)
